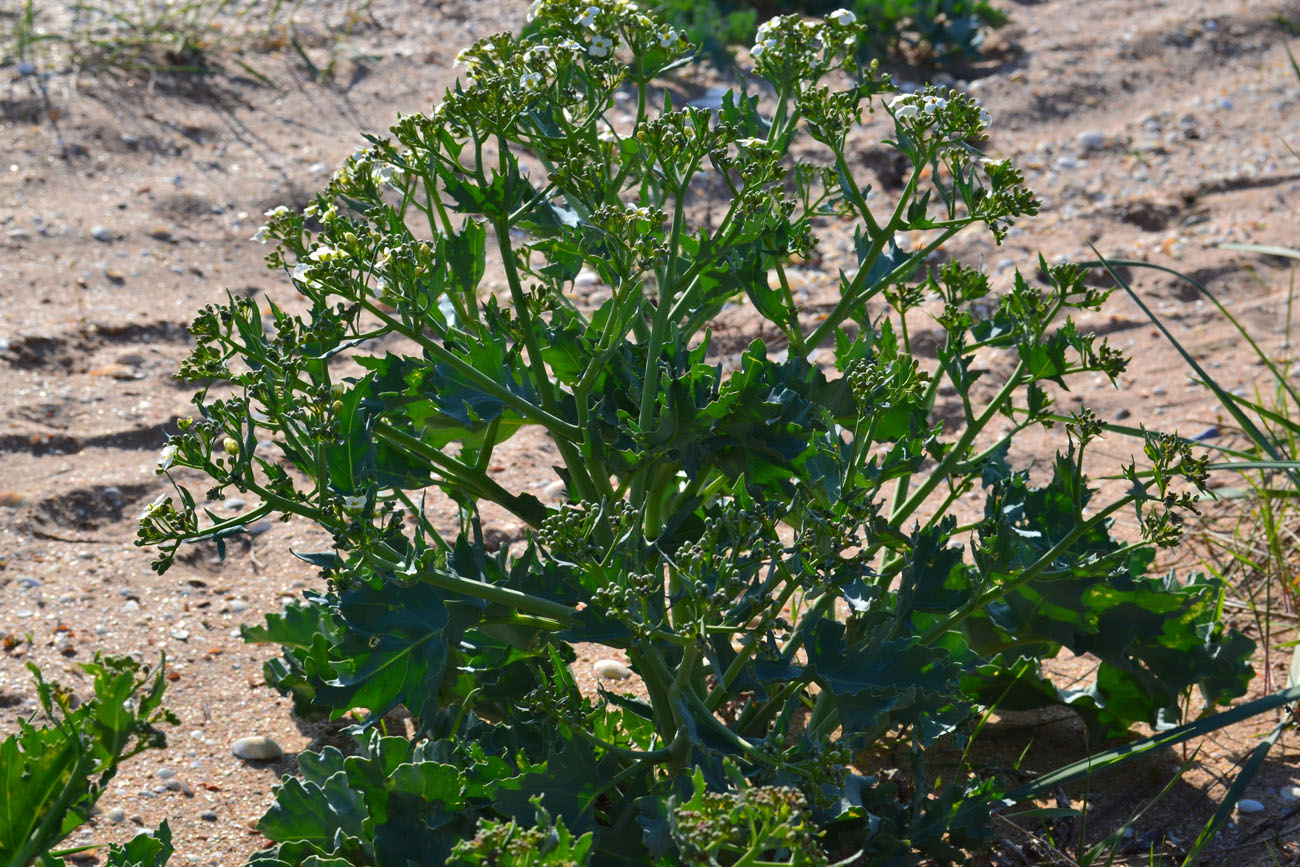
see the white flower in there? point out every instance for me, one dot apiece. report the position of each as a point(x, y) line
point(762, 46)
point(750, 142)
point(381, 173)
point(534, 8)
point(638, 212)
point(588, 18)
point(530, 80)
point(167, 458)
point(600, 46)
point(260, 235)
point(569, 45)
point(326, 253)
point(907, 112)
point(933, 104)
point(668, 38)
point(152, 509)
point(985, 118)
point(353, 504)
point(278, 211)
point(842, 17)
point(462, 59)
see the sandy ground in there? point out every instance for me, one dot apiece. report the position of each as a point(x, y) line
point(1153, 130)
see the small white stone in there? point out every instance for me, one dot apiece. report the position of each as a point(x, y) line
point(1249, 805)
point(1091, 140)
point(101, 233)
point(117, 815)
point(611, 669)
point(1290, 793)
point(181, 634)
point(238, 605)
point(257, 748)
point(586, 278)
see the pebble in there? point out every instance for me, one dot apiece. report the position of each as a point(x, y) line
point(238, 605)
point(134, 359)
point(26, 67)
point(233, 504)
point(259, 528)
point(586, 278)
point(29, 582)
point(1091, 140)
point(160, 233)
point(164, 773)
point(101, 233)
point(1249, 805)
point(1122, 413)
point(257, 748)
point(181, 634)
point(11, 499)
point(131, 605)
point(611, 669)
point(173, 785)
point(1290, 793)
point(208, 815)
point(117, 815)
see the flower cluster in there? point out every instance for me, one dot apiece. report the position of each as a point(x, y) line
point(930, 108)
point(789, 48)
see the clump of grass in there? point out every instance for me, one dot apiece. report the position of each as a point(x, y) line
point(179, 37)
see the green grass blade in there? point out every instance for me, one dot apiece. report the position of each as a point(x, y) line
point(1249, 769)
point(1265, 249)
point(1229, 402)
point(1117, 756)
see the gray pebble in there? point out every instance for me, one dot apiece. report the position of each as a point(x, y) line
point(238, 605)
point(234, 504)
point(1290, 793)
point(164, 773)
point(256, 748)
point(1122, 413)
point(1091, 140)
point(181, 634)
point(173, 785)
point(101, 233)
point(1249, 805)
point(117, 815)
point(208, 816)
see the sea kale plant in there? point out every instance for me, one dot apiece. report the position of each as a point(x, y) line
point(771, 536)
